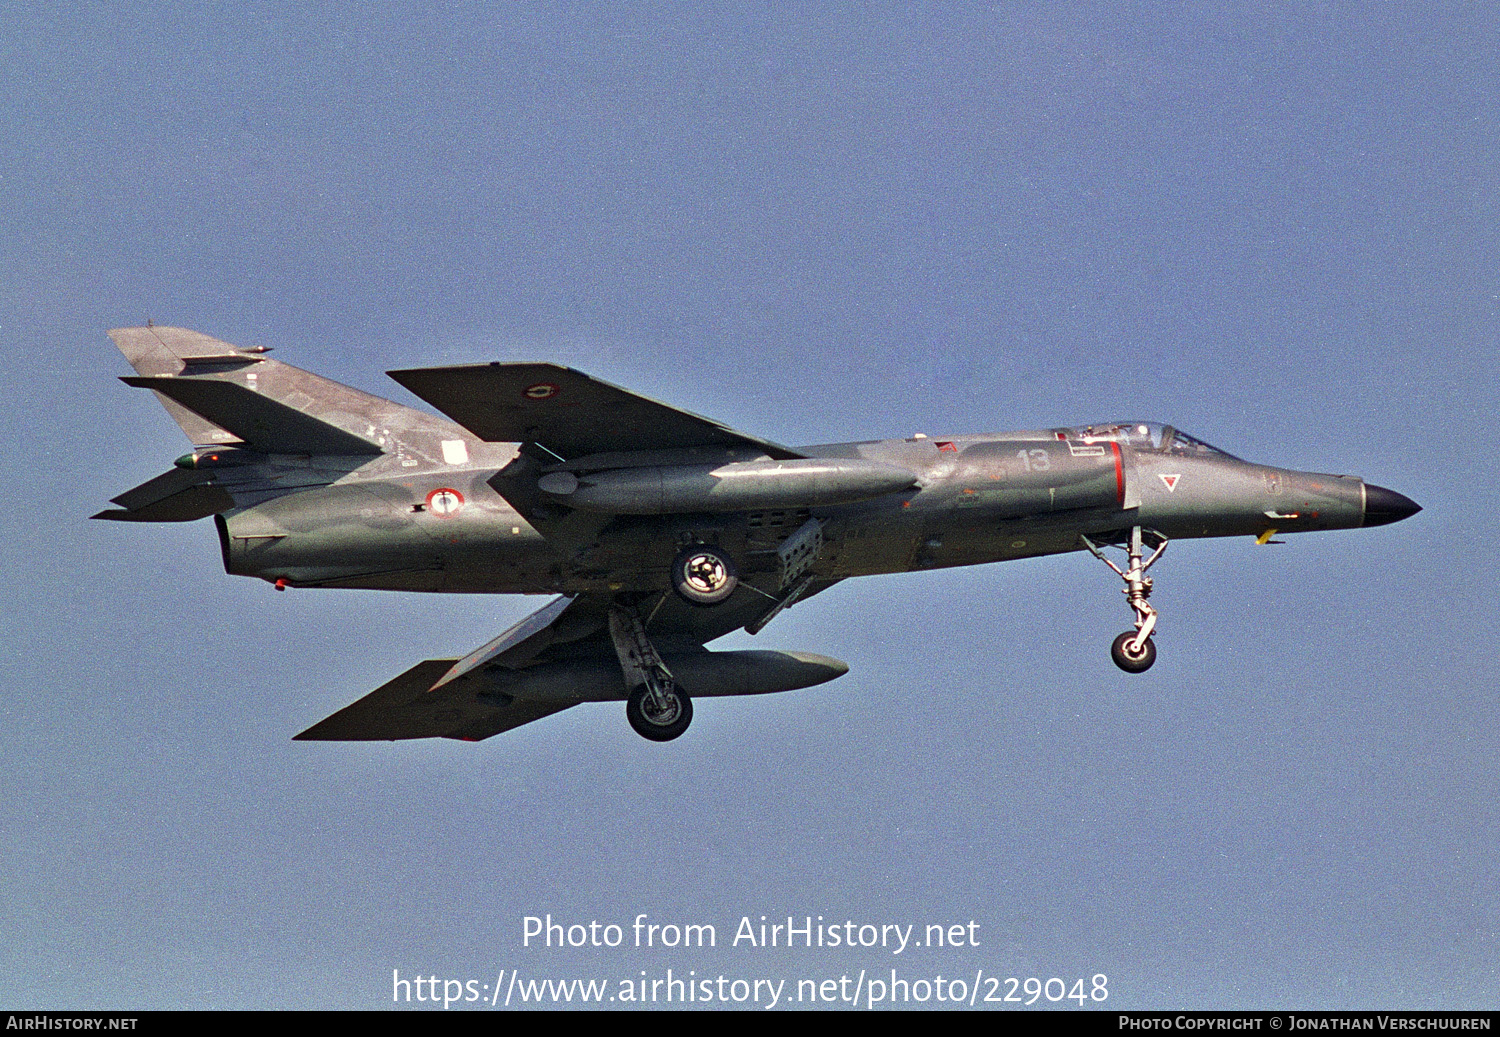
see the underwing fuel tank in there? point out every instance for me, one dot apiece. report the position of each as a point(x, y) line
point(736, 486)
point(700, 674)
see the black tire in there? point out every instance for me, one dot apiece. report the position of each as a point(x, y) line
point(1138, 663)
point(659, 727)
point(704, 575)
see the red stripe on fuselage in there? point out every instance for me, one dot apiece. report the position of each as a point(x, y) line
point(1119, 474)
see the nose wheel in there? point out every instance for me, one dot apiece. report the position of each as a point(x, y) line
point(1134, 651)
point(1129, 658)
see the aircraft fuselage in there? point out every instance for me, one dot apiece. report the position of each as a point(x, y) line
point(973, 499)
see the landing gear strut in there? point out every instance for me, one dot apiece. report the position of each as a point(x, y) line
point(1134, 651)
point(657, 708)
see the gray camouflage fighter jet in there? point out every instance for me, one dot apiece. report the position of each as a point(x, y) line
point(659, 529)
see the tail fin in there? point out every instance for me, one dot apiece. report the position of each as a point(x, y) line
point(162, 351)
point(222, 394)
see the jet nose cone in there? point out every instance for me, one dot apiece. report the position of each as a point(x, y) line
point(1383, 506)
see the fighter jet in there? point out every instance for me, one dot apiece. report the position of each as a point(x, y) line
point(658, 529)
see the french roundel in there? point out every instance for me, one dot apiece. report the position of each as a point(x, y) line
point(540, 391)
point(445, 502)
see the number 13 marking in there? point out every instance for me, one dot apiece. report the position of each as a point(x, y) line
point(1034, 460)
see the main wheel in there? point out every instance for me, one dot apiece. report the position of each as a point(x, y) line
point(1132, 662)
point(703, 575)
point(659, 725)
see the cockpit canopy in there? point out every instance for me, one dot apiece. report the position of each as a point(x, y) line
point(1147, 436)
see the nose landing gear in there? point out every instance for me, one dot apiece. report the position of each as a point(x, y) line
point(1129, 658)
point(1134, 651)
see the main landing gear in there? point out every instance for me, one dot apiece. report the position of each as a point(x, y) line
point(657, 708)
point(659, 714)
point(1134, 651)
point(703, 575)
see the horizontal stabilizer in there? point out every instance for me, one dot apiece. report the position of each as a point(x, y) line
point(259, 421)
point(567, 411)
point(175, 496)
point(409, 707)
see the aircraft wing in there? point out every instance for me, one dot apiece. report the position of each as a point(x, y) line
point(568, 412)
point(445, 698)
point(407, 708)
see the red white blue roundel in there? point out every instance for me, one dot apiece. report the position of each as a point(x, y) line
point(445, 502)
point(540, 391)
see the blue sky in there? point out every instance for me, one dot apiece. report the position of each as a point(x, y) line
point(1271, 225)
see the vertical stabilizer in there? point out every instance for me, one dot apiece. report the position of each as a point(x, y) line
point(150, 353)
point(223, 394)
